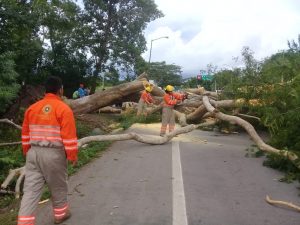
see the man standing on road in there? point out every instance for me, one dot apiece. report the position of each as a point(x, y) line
point(168, 115)
point(145, 99)
point(48, 141)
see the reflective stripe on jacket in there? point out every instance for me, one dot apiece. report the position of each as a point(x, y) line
point(171, 99)
point(146, 97)
point(50, 123)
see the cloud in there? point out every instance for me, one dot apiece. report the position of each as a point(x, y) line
point(202, 32)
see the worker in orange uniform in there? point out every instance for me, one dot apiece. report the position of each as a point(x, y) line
point(146, 99)
point(168, 116)
point(48, 141)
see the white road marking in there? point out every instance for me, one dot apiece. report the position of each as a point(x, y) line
point(179, 208)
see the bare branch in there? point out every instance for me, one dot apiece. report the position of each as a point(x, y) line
point(11, 123)
point(19, 181)
point(283, 203)
point(248, 116)
point(10, 143)
point(11, 175)
point(147, 139)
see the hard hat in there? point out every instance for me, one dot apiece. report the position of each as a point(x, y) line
point(169, 88)
point(149, 89)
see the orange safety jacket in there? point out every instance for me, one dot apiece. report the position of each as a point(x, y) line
point(171, 99)
point(50, 123)
point(146, 97)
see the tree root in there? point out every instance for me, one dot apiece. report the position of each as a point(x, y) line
point(282, 203)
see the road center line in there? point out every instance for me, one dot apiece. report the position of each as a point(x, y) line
point(179, 208)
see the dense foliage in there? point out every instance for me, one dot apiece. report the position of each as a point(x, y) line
point(79, 43)
point(164, 74)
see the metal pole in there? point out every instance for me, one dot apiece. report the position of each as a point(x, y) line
point(150, 51)
point(103, 81)
point(151, 46)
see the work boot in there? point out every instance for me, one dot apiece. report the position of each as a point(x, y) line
point(67, 216)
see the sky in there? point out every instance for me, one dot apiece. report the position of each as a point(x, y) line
point(202, 32)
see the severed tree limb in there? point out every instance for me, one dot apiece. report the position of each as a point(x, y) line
point(10, 143)
point(154, 109)
point(12, 173)
point(109, 109)
point(147, 139)
point(6, 192)
point(19, 181)
point(197, 114)
point(251, 131)
point(283, 203)
point(11, 123)
point(181, 118)
point(248, 116)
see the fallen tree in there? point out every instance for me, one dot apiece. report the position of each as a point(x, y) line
point(200, 104)
point(110, 96)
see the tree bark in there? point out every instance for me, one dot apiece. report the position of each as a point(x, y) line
point(108, 97)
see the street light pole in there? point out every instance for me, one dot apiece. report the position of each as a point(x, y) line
point(151, 45)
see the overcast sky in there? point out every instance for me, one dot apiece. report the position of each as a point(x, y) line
point(214, 31)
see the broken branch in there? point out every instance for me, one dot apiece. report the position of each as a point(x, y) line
point(283, 203)
point(11, 123)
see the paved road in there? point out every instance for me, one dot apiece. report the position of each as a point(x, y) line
point(201, 178)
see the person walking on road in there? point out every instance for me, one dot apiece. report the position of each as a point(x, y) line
point(48, 141)
point(168, 115)
point(146, 99)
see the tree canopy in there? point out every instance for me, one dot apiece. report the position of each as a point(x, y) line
point(78, 44)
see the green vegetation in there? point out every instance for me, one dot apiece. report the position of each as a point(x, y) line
point(78, 44)
point(8, 86)
point(283, 164)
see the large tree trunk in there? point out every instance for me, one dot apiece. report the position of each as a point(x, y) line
point(121, 93)
point(108, 97)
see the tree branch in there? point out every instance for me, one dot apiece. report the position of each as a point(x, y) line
point(11, 123)
point(10, 143)
point(251, 131)
point(288, 204)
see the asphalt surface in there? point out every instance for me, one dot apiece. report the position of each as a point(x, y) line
point(132, 184)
